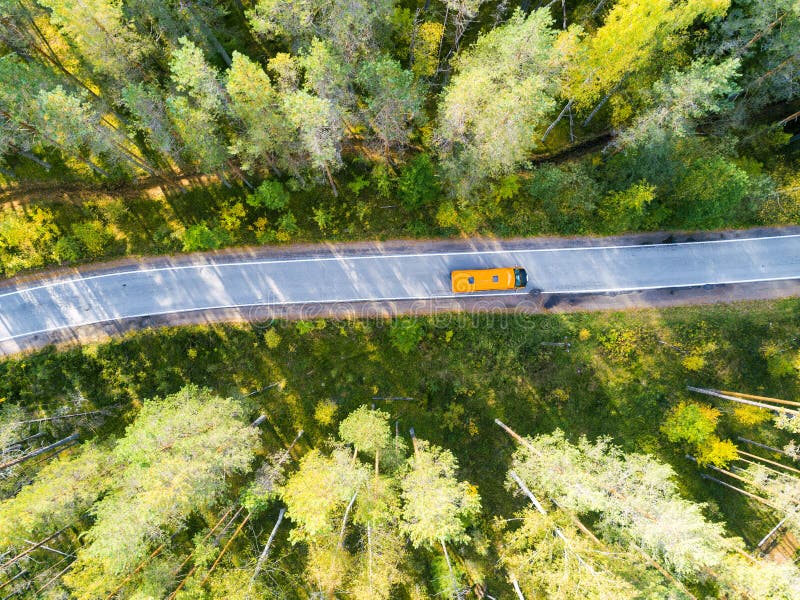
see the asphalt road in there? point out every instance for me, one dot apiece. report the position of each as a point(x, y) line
point(323, 277)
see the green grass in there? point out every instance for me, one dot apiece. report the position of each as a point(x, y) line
point(618, 377)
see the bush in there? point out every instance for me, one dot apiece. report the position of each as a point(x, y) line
point(690, 422)
point(201, 237)
point(25, 239)
point(626, 210)
point(270, 194)
point(67, 249)
point(712, 192)
point(716, 452)
point(94, 236)
point(272, 339)
point(567, 195)
point(694, 362)
point(287, 227)
point(780, 363)
point(417, 185)
point(405, 334)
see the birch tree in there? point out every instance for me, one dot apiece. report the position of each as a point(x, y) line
point(630, 37)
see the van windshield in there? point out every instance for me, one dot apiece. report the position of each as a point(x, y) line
point(520, 278)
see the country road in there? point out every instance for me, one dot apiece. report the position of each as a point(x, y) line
point(41, 308)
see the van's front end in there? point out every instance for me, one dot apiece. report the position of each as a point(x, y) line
point(520, 277)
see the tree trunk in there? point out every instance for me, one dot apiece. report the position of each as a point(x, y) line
point(35, 453)
point(225, 549)
point(331, 181)
point(446, 556)
point(265, 552)
point(344, 519)
point(765, 447)
point(766, 460)
point(560, 116)
point(717, 394)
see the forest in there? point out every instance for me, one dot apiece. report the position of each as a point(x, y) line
point(542, 456)
point(138, 127)
point(648, 454)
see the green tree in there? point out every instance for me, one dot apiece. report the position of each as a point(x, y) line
point(262, 134)
point(196, 112)
point(320, 490)
point(174, 460)
point(680, 99)
point(392, 101)
point(100, 33)
point(498, 100)
point(62, 492)
point(314, 121)
point(637, 503)
point(368, 431)
point(542, 563)
point(437, 507)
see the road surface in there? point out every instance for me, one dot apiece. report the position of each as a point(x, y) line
point(323, 276)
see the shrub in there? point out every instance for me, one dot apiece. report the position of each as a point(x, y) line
point(750, 415)
point(716, 452)
point(287, 227)
point(67, 249)
point(231, 216)
point(567, 195)
point(272, 339)
point(201, 237)
point(270, 194)
point(712, 191)
point(382, 180)
point(358, 184)
point(405, 334)
point(25, 239)
point(325, 411)
point(626, 210)
point(780, 363)
point(93, 236)
point(417, 185)
point(690, 422)
point(693, 362)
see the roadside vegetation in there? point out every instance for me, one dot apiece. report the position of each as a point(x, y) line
point(622, 375)
point(260, 122)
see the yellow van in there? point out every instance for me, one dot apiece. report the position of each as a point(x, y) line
point(485, 280)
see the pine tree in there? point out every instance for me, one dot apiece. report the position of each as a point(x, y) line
point(498, 100)
point(174, 460)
